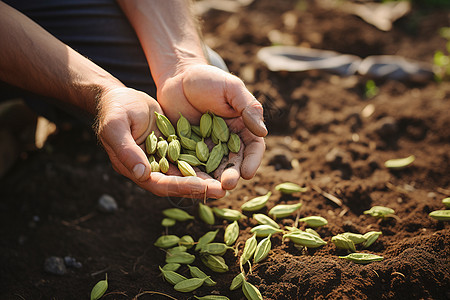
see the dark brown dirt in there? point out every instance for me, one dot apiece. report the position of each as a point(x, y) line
point(318, 138)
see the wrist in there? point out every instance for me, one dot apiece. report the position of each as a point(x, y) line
point(177, 64)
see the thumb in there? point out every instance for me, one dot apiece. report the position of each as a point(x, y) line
point(247, 106)
point(118, 139)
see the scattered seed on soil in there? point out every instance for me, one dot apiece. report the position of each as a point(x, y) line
point(314, 221)
point(362, 258)
point(231, 233)
point(251, 292)
point(167, 241)
point(265, 220)
point(440, 215)
point(177, 214)
point(256, 203)
point(99, 289)
point(290, 188)
point(189, 285)
point(379, 211)
point(262, 249)
point(284, 210)
point(399, 163)
point(206, 239)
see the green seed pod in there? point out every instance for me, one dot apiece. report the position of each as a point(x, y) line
point(215, 249)
point(186, 169)
point(187, 143)
point(183, 127)
point(150, 143)
point(190, 152)
point(225, 150)
point(234, 143)
point(171, 138)
point(197, 273)
point(220, 129)
point(305, 239)
point(356, 238)
point(237, 281)
point(174, 150)
point(187, 241)
point(264, 230)
point(172, 277)
point(161, 148)
point(290, 188)
point(171, 267)
point(265, 220)
point(215, 157)
point(262, 249)
point(214, 138)
point(164, 125)
point(154, 166)
point(151, 159)
point(256, 203)
point(314, 221)
point(177, 214)
point(215, 263)
point(362, 258)
point(379, 211)
point(206, 239)
point(228, 214)
point(212, 297)
point(167, 241)
point(191, 159)
point(342, 242)
point(446, 202)
point(202, 151)
point(189, 285)
point(205, 125)
point(370, 237)
point(312, 231)
point(251, 292)
point(168, 222)
point(180, 258)
point(163, 165)
point(249, 249)
point(284, 210)
point(99, 289)
point(400, 162)
point(440, 215)
point(231, 233)
point(206, 214)
point(195, 129)
point(176, 249)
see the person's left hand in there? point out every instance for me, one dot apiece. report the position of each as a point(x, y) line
point(201, 88)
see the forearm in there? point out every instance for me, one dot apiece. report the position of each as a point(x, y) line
point(32, 59)
point(168, 34)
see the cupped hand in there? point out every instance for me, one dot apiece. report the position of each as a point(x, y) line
point(125, 118)
point(201, 88)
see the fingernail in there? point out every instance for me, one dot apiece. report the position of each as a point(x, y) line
point(261, 123)
point(138, 171)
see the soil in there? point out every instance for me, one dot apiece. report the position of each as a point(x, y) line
point(319, 138)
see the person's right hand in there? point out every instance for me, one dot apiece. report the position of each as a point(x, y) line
point(125, 118)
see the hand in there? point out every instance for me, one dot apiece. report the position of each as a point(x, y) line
point(201, 88)
point(125, 118)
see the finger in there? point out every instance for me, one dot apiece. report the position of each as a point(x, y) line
point(176, 186)
point(231, 173)
point(253, 154)
point(116, 136)
point(246, 105)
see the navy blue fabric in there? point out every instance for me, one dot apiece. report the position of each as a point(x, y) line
point(97, 29)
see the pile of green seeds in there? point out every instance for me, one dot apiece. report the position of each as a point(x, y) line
point(187, 145)
point(210, 251)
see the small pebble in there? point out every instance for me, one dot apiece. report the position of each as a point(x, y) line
point(107, 204)
point(55, 265)
point(71, 262)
